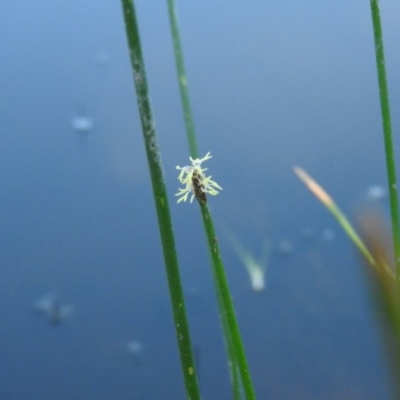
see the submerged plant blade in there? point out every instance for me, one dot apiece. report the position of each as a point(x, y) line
point(161, 202)
point(255, 268)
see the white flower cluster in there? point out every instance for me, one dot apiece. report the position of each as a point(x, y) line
point(195, 181)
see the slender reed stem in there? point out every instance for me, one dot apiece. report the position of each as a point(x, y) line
point(328, 202)
point(161, 202)
point(231, 334)
point(182, 79)
point(226, 299)
point(387, 132)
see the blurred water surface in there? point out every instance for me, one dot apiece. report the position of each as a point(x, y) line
point(273, 84)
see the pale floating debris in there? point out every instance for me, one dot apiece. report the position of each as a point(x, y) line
point(52, 309)
point(82, 123)
point(193, 292)
point(312, 309)
point(328, 234)
point(102, 58)
point(135, 349)
point(376, 193)
point(134, 346)
point(307, 233)
point(256, 269)
point(285, 247)
point(257, 276)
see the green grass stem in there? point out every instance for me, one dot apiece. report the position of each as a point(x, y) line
point(161, 202)
point(234, 346)
point(182, 79)
point(387, 132)
point(227, 303)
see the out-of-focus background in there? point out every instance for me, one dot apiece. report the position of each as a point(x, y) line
point(84, 307)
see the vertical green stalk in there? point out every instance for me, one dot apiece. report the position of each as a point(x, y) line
point(234, 346)
point(387, 132)
point(182, 79)
point(228, 309)
point(161, 202)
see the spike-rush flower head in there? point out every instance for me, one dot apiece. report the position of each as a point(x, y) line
point(195, 181)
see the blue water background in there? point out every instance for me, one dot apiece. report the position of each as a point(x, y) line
point(273, 85)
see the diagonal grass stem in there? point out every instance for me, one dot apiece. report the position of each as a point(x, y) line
point(230, 329)
point(161, 202)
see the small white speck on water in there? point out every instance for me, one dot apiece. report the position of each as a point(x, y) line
point(307, 233)
point(376, 192)
point(134, 347)
point(82, 123)
point(102, 58)
point(328, 234)
point(285, 247)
